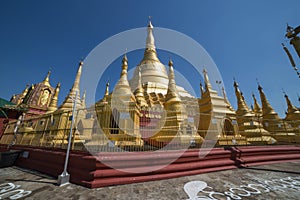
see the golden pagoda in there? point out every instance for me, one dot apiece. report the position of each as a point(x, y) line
point(118, 113)
point(249, 121)
point(177, 129)
point(279, 128)
point(51, 128)
point(150, 108)
point(36, 98)
point(149, 111)
point(217, 117)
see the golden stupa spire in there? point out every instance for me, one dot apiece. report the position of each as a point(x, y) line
point(291, 107)
point(243, 98)
point(172, 93)
point(266, 106)
point(77, 78)
point(139, 92)
point(150, 54)
point(53, 103)
point(293, 113)
point(106, 89)
point(242, 106)
point(106, 93)
point(256, 107)
point(150, 39)
point(206, 80)
point(124, 67)
point(69, 100)
point(46, 80)
point(122, 87)
point(123, 76)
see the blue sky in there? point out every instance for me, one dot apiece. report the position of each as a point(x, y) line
point(242, 37)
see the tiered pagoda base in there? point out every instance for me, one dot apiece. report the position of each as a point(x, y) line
point(86, 170)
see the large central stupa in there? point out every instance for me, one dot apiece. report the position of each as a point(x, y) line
point(154, 75)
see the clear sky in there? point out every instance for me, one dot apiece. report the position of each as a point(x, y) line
point(242, 37)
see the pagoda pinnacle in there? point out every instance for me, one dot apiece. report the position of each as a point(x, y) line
point(123, 76)
point(266, 106)
point(172, 90)
point(68, 102)
point(139, 92)
point(124, 66)
point(242, 106)
point(106, 93)
point(172, 84)
point(256, 108)
point(291, 107)
point(77, 79)
point(206, 80)
point(53, 103)
point(46, 80)
point(150, 38)
point(150, 51)
point(107, 89)
point(122, 87)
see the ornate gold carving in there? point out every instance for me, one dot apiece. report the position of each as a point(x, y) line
point(44, 97)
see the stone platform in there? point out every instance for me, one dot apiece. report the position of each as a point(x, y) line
point(93, 172)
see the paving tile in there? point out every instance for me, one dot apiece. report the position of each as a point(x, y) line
point(219, 185)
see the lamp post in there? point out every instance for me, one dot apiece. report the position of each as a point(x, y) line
point(64, 178)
